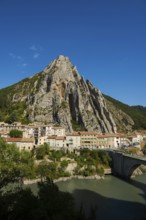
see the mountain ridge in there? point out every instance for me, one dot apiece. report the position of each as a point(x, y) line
point(59, 95)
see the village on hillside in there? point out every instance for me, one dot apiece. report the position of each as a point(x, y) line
point(34, 135)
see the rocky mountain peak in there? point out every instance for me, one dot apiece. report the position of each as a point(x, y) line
point(59, 95)
point(62, 69)
point(65, 98)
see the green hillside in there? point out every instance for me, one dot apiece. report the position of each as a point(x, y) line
point(140, 109)
point(12, 111)
point(137, 113)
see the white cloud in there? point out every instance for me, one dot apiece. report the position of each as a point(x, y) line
point(36, 49)
point(24, 64)
point(12, 55)
point(19, 58)
point(33, 47)
point(36, 55)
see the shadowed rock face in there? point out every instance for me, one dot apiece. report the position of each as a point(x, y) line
point(60, 95)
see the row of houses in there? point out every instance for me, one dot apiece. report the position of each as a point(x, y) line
point(56, 137)
point(31, 130)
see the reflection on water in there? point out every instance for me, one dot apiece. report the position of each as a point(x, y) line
point(112, 198)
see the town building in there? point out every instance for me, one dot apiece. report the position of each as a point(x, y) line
point(22, 143)
point(51, 140)
point(88, 139)
point(4, 134)
point(73, 141)
point(112, 140)
point(57, 142)
point(60, 142)
point(57, 137)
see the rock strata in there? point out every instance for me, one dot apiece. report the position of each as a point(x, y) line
point(65, 98)
point(59, 95)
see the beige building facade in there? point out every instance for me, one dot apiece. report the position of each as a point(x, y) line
point(22, 143)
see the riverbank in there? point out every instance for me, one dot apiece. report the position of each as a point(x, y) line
point(139, 171)
point(95, 177)
point(107, 171)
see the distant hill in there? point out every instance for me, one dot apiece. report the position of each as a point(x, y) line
point(59, 95)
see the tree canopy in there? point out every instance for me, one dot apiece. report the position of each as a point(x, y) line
point(19, 202)
point(16, 133)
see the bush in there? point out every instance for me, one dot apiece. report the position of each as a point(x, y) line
point(100, 171)
point(16, 133)
point(42, 151)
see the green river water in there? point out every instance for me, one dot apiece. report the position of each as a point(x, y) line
point(112, 198)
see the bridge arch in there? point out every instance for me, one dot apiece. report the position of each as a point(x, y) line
point(132, 169)
point(123, 164)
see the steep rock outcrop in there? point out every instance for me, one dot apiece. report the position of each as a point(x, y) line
point(59, 95)
point(65, 98)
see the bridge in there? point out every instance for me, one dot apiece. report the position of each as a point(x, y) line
point(124, 164)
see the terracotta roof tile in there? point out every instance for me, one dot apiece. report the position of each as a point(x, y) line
point(19, 140)
point(88, 133)
point(60, 138)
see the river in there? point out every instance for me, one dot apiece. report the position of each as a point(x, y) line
point(111, 198)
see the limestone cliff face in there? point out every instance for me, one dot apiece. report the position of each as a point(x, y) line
point(59, 95)
point(63, 97)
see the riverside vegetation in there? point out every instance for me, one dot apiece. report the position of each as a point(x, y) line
point(17, 202)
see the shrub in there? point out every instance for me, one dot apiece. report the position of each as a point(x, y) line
point(16, 133)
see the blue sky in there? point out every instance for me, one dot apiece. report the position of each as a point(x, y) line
point(104, 39)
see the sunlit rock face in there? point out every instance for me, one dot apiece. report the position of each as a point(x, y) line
point(59, 95)
point(65, 98)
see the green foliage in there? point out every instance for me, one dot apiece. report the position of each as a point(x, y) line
point(64, 164)
point(138, 114)
point(140, 109)
point(56, 155)
point(37, 78)
point(16, 133)
point(49, 203)
point(95, 156)
point(2, 117)
point(46, 148)
point(11, 118)
point(88, 171)
point(100, 171)
point(17, 111)
point(42, 151)
point(5, 96)
point(46, 169)
point(14, 165)
point(27, 166)
point(103, 156)
point(92, 162)
point(76, 126)
point(64, 104)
